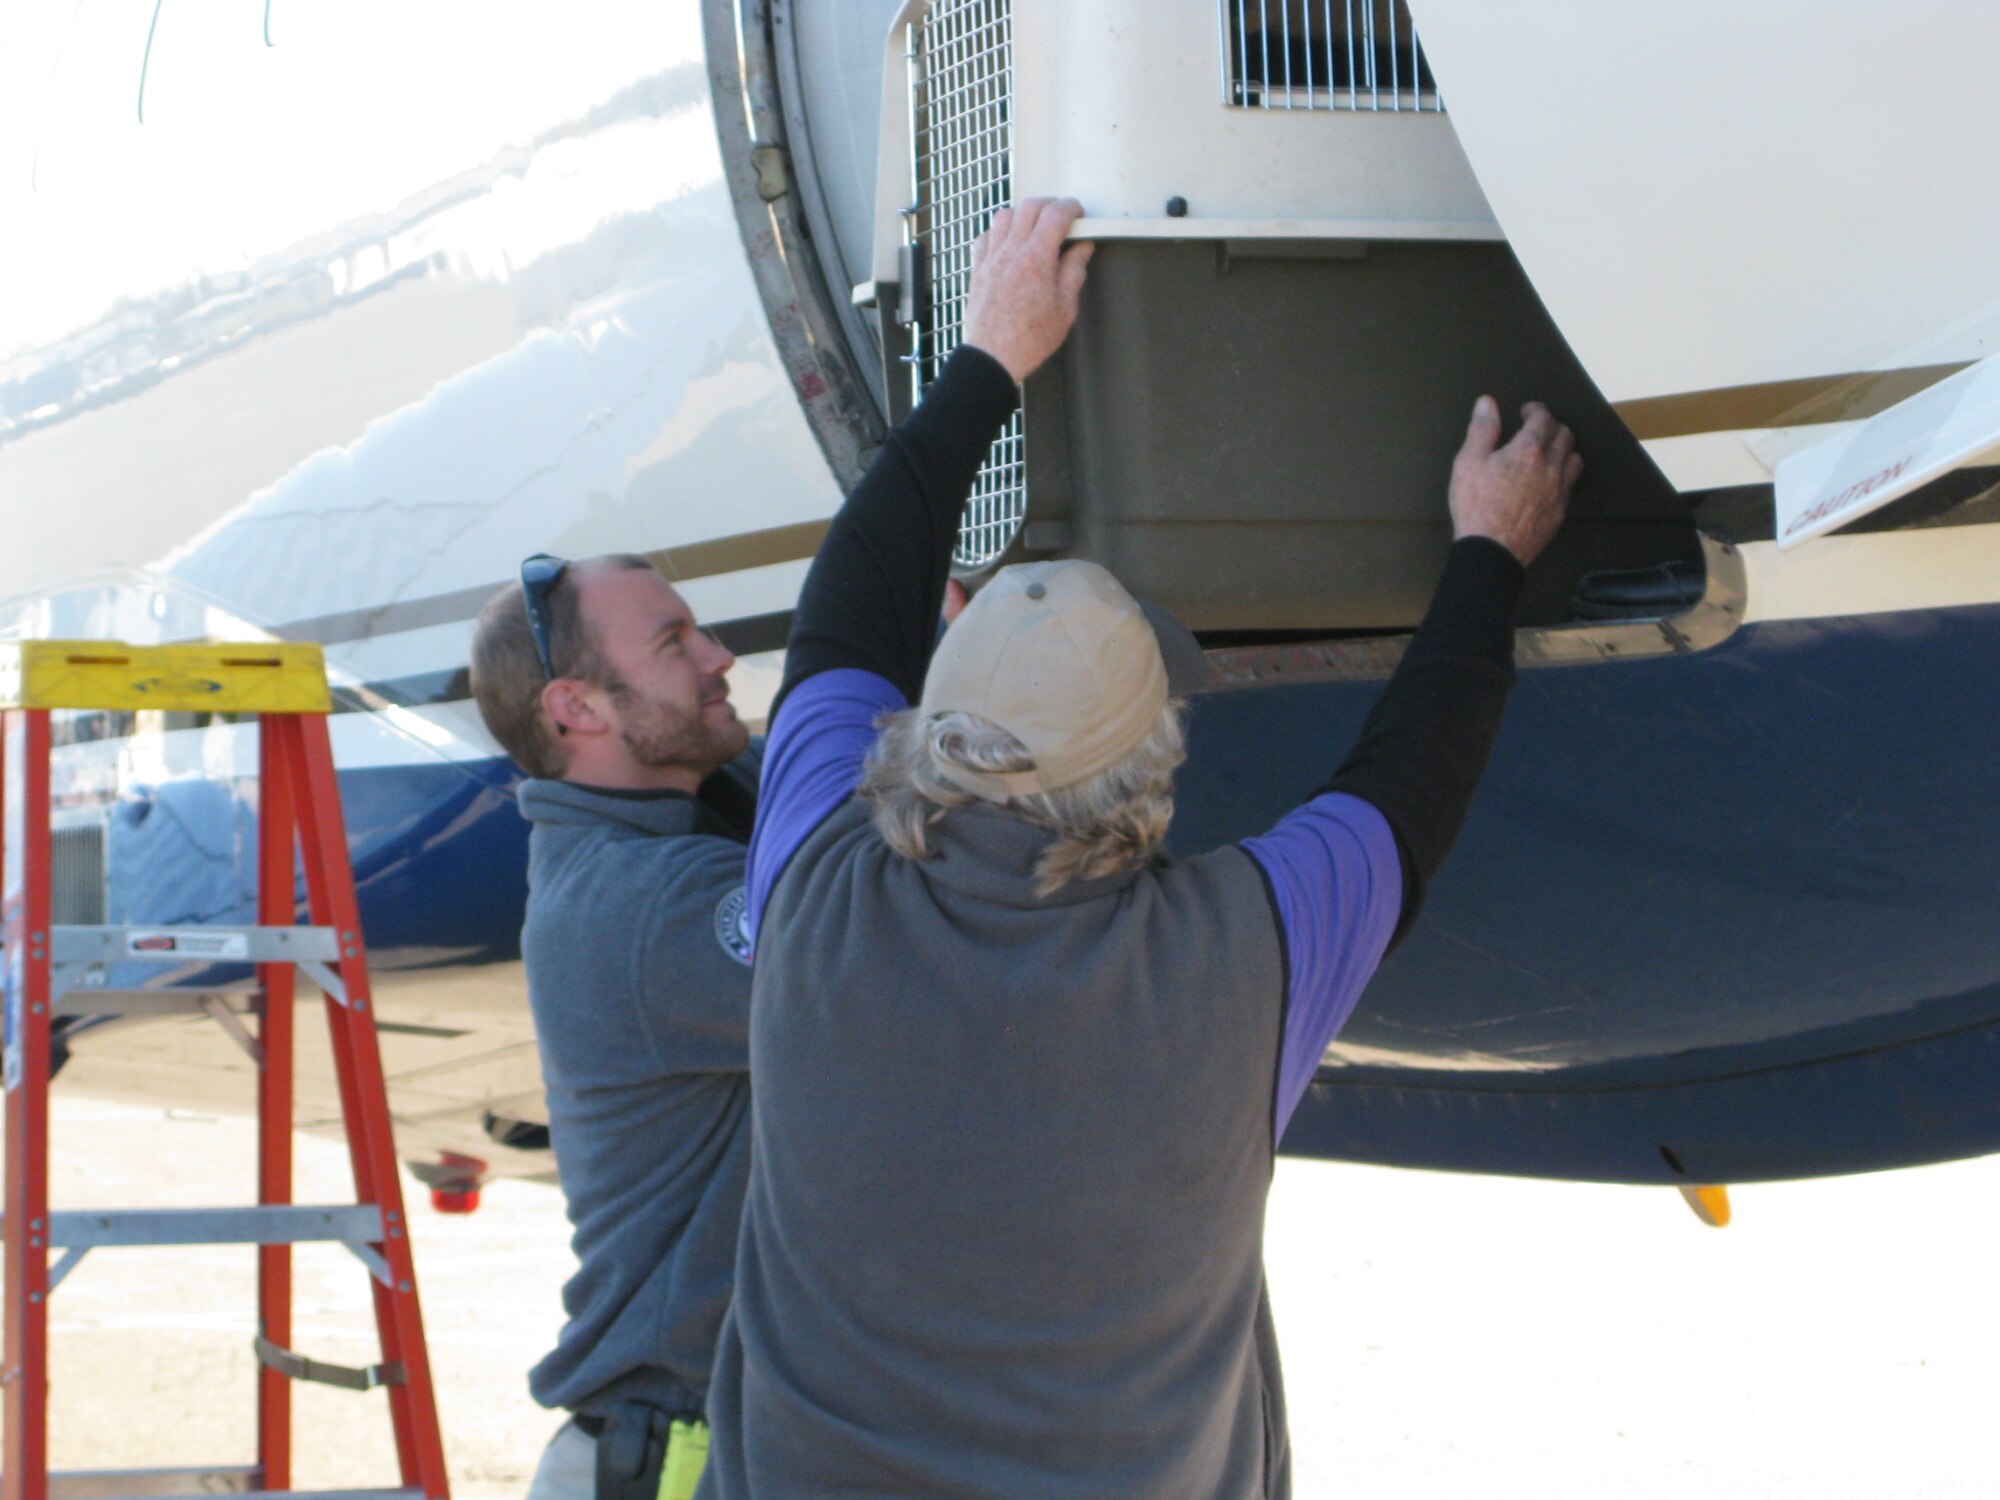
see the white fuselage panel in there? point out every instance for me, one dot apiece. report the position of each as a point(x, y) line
point(1720, 195)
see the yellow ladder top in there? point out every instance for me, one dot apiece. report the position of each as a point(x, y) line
point(255, 677)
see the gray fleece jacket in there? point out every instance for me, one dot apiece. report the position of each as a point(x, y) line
point(639, 978)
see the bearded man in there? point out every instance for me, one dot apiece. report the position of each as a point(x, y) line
point(642, 784)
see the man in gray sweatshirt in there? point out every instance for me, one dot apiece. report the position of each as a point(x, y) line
point(1021, 1077)
point(642, 784)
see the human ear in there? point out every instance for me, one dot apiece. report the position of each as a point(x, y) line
point(569, 705)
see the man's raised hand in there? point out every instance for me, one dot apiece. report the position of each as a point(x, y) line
point(1022, 298)
point(1517, 494)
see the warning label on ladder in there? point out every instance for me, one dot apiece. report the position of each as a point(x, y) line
point(188, 944)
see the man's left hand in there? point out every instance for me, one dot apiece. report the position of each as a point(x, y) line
point(1022, 298)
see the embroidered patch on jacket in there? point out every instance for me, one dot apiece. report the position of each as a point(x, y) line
point(732, 925)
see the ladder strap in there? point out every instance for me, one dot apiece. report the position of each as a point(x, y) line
point(347, 1377)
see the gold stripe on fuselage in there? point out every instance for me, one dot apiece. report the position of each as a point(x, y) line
point(1778, 403)
point(733, 554)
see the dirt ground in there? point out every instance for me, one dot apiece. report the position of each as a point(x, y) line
point(1444, 1336)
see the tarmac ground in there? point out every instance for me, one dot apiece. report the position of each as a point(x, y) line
point(1443, 1335)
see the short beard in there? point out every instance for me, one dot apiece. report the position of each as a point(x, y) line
point(657, 735)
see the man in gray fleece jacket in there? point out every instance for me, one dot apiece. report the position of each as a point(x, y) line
point(641, 787)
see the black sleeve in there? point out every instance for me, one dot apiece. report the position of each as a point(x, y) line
point(1425, 744)
point(872, 596)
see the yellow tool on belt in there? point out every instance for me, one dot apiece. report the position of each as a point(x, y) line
point(687, 1456)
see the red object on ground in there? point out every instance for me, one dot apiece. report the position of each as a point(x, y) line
point(463, 1200)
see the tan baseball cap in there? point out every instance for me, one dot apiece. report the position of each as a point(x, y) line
point(1061, 657)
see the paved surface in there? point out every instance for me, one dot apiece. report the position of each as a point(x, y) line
point(1444, 1336)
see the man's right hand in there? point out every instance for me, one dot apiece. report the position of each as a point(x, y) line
point(1022, 297)
point(1516, 494)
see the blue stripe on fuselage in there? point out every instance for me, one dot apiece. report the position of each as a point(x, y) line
point(1692, 889)
point(1678, 871)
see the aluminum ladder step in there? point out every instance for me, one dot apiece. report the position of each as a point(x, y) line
point(155, 1484)
point(103, 1484)
point(179, 945)
point(289, 1224)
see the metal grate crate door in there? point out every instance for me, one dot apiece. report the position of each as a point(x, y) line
point(962, 73)
point(1349, 55)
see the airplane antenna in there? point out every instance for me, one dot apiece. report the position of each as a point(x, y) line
point(146, 61)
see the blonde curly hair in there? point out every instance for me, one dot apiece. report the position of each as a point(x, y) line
point(1113, 821)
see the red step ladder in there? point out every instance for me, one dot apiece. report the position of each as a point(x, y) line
point(299, 821)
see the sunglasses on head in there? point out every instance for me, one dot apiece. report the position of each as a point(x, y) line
point(539, 576)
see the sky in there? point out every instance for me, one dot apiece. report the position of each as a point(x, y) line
point(246, 148)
